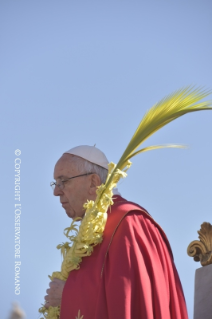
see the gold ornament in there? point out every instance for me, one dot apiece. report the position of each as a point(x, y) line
point(201, 250)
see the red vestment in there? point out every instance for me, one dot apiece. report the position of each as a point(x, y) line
point(130, 275)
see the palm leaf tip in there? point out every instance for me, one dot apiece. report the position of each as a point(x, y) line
point(175, 105)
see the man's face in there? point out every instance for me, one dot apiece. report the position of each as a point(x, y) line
point(76, 191)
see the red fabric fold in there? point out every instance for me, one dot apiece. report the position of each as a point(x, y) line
point(131, 275)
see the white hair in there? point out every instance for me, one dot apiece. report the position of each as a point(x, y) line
point(84, 166)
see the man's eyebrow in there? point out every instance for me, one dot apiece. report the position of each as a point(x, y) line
point(61, 176)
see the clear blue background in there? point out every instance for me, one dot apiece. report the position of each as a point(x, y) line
point(85, 72)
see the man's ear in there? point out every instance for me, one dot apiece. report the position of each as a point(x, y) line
point(94, 182)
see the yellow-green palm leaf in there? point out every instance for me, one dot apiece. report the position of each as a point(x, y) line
point(168, 109)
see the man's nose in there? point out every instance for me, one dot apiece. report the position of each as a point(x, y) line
point(57, 191)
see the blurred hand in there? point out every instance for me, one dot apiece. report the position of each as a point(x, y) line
point(54, 293)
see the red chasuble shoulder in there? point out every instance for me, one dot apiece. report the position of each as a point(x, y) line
point(130, 275)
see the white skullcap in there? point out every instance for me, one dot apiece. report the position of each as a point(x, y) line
point(91, 154)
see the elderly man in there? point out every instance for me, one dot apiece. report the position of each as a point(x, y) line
point(131, 274)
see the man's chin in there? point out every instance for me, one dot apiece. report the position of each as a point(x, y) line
point(69, 214)
point(73, 215)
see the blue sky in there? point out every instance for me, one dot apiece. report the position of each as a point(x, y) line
point(85, 72)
